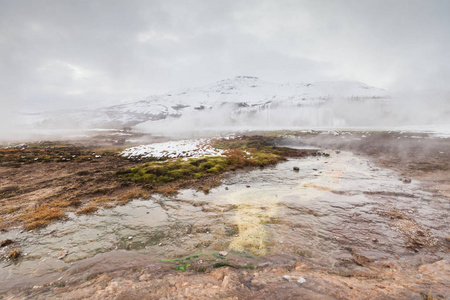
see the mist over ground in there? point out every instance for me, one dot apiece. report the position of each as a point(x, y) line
point(411, 113)
point(65, 55)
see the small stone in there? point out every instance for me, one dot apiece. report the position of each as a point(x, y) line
point(300, 280)
point(247, 186)
point(406, 180)
point(63, 254)
point(130, 237)
point(226, 281)
point(144, 277)
point(226, 188)
point(223, 253)
point(375, 240)
point(296, 169)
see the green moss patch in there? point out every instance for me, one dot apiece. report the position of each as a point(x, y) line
point(242, 152)
point(195, 168)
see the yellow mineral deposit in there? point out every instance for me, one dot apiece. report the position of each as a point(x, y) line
point(254, 209)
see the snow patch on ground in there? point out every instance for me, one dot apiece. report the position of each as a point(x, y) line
point(173, 149)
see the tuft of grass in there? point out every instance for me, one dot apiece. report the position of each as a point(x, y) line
point(41, 216)
point(5, 243)
point(87, 210)
point(182, 267)
point(14, 254)
point(132, 194)
point(182, 259)
point(9, 210)
point(102, 199)
point(61, 203)
point(167, 190)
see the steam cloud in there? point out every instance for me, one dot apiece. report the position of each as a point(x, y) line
point(417, 112)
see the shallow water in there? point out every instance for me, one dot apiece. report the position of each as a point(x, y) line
point(328, 211)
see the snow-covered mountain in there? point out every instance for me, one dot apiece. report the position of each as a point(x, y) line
point(240, 95)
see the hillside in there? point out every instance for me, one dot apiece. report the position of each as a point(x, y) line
point(242, 94)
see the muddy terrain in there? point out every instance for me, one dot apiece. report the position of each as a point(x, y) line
point(363, 216)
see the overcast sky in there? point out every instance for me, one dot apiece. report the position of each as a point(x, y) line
point(63, 54)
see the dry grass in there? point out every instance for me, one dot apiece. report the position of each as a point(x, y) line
point(132, 194)
point(397, 215)
point(102, 199)
point(168, 190)
point(14, 253)
point(87, 210)
point(6, 242)
point(9, 210)
point(61, 203)
point(41, 216)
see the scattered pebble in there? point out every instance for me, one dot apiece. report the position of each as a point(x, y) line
point(296, 169)
point(63, 254)
point(144, 277)
point(223, 253)
point(406, 180)
point(300, 280)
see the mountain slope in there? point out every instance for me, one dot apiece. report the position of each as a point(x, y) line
point(240, 94)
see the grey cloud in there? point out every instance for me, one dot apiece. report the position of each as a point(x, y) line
point(57, 54)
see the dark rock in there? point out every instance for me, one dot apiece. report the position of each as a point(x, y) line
point(296, 169)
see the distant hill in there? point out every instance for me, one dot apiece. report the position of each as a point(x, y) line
point(242, 94)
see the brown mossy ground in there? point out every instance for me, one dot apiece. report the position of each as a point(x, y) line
point(41, 182)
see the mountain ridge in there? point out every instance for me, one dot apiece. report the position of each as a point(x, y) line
point(240, 94)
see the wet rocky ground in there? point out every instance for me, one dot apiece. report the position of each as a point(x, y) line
point(367, 220)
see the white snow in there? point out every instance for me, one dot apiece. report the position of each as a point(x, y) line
point(249, 93)
point(174, 149)
point(238, 95)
